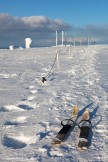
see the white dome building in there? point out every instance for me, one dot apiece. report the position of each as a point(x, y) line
point(28, 42)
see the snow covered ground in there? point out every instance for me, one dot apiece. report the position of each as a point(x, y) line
point(31, 111)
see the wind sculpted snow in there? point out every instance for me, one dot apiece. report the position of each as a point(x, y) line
point(31, 111)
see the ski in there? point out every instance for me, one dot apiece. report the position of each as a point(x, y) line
point(85, 127)
point(67, 125)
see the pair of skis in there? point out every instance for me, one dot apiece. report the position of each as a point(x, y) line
point(68, 124)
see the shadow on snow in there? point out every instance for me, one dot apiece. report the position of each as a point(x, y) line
point(13, 143)
point(25, 107)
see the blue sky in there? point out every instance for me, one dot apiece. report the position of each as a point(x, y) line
point(76, 12)
point(81, 15)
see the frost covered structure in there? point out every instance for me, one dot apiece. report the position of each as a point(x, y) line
point(28, 42)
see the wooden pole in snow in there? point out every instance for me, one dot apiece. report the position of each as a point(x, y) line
point(88, 42)
point(74, 43)
point(69, 49)
point(56, 39)
point(62, 37)
point(57, 60)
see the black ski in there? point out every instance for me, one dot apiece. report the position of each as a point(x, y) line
point(67, 125)
point(85, 128)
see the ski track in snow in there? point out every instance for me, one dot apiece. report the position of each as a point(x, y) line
point(31, 113)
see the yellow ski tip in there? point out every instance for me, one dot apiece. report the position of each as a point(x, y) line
point(87, 110)
point(86, 114)
point(75, 110)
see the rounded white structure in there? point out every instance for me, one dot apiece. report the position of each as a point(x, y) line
point(11, 47)
point(28, 42)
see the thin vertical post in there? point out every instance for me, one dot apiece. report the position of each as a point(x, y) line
point(80, 42)
point(56, 39)
point(69, 49)
point(57, 60)
point(74, 43)
point(62, 37)
point(88, 42)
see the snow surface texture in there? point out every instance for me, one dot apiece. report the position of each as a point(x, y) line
point(31, 111)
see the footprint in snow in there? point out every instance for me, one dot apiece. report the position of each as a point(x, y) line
point(51, 151)
point(17, 121)
point(31, 87)
point(25, 107)
point(3, 109)
point(30, 98)
point(18, 142)
point(33, 91)
point(46, 132)
point(42, 135)
point(10, 108)
point(13, 143)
